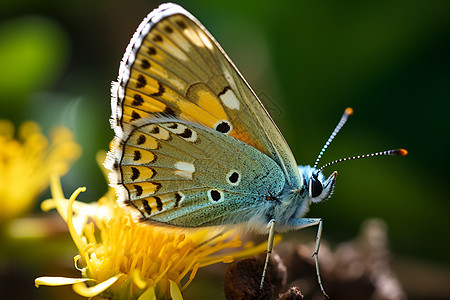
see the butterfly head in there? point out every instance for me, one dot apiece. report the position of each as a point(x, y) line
point(316, 186)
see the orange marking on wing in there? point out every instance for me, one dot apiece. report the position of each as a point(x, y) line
point(144, 84)
point(212, 105)
point(242, 136)
point(147, 103)
point(133, 155)
point(143, 140)
point(137, 173)
point(193, 112)
point(154, 204)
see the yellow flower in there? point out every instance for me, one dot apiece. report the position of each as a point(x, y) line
point(27, 162)
point(131, 260)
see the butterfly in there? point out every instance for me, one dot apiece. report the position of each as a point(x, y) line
point(194, 146)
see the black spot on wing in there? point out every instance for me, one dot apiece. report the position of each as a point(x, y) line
point(157, 38)
point(138, 100)
point(138, 190)
point(145, 64)
point(223, 127)
point(141, 81)
point(157, 186)
point(187, 133)
point(168, 29)
point(135, 115)
point(234, 177)
point(159, 204)
point(137, 155)
point(215, 195)
point(141, 139)
point(135, 173)
point(178, 198)
point(225, 89)
point(146, 207)
point(160, 91)
point(169, 112)
point(181, 24)
point(155, 130)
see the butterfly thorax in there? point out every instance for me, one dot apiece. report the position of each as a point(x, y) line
point(294, 203)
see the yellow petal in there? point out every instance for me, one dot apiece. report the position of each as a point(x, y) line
point(175, 292)
point(47, 205)
point(88, 292)
point(149, 294)
point(138, 280)
point(56, 281)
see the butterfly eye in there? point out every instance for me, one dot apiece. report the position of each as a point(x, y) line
point(315, 186)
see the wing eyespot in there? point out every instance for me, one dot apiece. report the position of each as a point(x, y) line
point(233, 178)
point(215, 195)
point(223, 126)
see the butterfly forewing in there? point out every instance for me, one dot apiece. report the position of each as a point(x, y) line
point(174, 70)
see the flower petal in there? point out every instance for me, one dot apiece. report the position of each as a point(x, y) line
point(149, 294)
point(138, 280)
point(88, 292)
point(57, 281)
point(175, 292)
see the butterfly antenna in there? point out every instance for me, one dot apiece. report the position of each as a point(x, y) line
point(347, 113)
point(395, 152)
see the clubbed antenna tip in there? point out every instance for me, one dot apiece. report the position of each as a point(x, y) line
point(348, 111)
point(401, 152)
point(395, 152)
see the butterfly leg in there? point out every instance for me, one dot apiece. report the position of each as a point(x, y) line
point(271, 227)
point(308, 222)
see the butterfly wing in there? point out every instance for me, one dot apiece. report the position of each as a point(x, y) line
point(171, 175)
point(173, 68)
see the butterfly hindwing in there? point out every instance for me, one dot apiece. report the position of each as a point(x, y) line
point(171, 174)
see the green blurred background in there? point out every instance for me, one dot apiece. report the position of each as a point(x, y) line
point(308, 60)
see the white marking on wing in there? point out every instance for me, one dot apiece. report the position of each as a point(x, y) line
point(185, 169)
point(230, 100)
